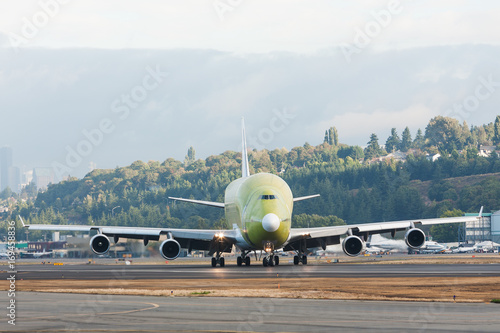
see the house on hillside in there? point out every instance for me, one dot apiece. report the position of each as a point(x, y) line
point(434, 157)
point(485, 151)
point(397, 156)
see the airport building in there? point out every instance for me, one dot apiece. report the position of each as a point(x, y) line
point(484, 229)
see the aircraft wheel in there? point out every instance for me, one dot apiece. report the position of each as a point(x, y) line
point(222, 262)
point(296, 260)
point(214, 262)
point(239, 261)
point(276, 260)
point(270, 261)
point(264, 262)
point(247, 261)
point(304, 260)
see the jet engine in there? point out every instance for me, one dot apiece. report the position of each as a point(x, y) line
point(170, 249)
point(415, 238)
point(100, 244)
point(353, 246)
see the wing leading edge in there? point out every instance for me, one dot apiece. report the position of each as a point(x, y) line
point(324, 236)
point(191, 239)
point(200, 202)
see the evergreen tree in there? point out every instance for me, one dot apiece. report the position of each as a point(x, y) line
point(373, 149)
point(406, 141)
point(496, 136)
point(393, 141)
point(327, 137)
point(419, 140)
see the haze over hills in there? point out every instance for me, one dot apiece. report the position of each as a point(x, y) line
point(200, 95)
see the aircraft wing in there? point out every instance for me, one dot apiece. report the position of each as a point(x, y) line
point(324, 236)
point(200, 202)
point(192, 239)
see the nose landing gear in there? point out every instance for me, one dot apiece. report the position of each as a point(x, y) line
point(270, 259)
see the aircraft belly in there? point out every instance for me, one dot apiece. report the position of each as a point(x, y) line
point(258, 237)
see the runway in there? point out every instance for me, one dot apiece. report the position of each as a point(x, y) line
point(104, 313)
point(172, 271)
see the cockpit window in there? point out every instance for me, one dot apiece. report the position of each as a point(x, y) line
point(268, 197)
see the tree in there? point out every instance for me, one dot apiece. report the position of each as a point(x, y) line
point(445, 133)
point(6, 193)
point(496, 136)
point(373, 149)
point(190, 157)
point(335, 137)
point(332, 136)
point(419, 140)
point(446, 233)
point(393, 141)
point(327, 137)
point(406, 141)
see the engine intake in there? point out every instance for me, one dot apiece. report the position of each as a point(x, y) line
point(415, 238)
point(170, 249)
point(353, 246)
point(100, 244)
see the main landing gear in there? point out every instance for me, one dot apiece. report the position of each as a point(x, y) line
point(300, 258)
point(244, 258)
point(220, 260)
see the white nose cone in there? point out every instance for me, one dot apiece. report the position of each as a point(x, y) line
point(271, 222)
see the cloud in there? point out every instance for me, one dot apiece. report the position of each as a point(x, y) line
point(258, 26)
point(48, 97)
point(380, 122)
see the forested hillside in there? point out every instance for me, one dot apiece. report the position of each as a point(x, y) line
point(354, 186)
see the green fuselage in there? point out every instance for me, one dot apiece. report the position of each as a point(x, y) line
point(248, 200)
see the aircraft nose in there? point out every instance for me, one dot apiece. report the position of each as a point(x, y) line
point(271, 222)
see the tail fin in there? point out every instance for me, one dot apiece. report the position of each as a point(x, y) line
point(245, 168)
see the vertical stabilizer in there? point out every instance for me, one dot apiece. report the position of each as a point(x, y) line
point(245, 169)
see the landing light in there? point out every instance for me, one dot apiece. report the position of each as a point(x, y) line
point(268, 249)
point(219, 235)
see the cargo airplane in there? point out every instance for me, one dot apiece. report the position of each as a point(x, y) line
point(259, 208)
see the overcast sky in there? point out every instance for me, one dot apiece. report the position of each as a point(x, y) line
point(111, 82)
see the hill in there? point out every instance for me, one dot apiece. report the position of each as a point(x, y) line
point(355, 186)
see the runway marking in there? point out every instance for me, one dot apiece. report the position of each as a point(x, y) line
point(154, 306)
point(142, 330)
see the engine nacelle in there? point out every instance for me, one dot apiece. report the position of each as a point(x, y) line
point(415, 238)
point(170, 249)
point(353, 246)
point(100, 244)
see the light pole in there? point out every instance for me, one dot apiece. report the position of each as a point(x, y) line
point(113, 210)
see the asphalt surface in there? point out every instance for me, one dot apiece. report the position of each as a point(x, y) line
point(50, 312)
point(172, 271)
